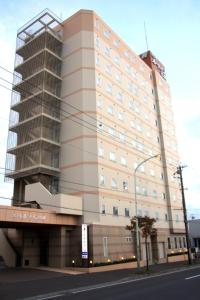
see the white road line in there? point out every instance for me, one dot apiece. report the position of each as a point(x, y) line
point(47, 296)
point(105, 285)
point(192, 277)
point(102, 285)
point(51, 297)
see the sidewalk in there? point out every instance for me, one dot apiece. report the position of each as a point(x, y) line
point(13, 275)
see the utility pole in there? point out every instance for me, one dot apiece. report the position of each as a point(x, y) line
point(179, 172)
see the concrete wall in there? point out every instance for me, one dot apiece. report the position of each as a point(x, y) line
point(59, 203)
point(6, 251)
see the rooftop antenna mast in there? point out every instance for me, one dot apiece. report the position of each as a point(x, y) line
point(145, 32)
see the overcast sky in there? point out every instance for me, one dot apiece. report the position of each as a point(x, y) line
point(173, 36)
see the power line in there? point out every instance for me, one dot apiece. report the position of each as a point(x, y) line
point(125, 192)
point(86, 127)
point(75, 108)
point(86, 210)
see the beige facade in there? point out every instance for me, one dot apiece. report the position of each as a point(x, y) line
point(113, 110)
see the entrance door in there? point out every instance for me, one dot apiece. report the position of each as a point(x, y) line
point(44, 251)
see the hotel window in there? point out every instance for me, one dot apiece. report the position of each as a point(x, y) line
point(154, 194)
point(144, 191)
point(133, 74)
point(118, 77)
point(113, 183)
point(97, 42)
point(175, 243)
point(184, 242)
point(166, 217)
point(122, 138)
point(103, 209)
point(152, 172)
point(127, 213)
point(161, 176)
point(129, 239)
point(109, 88)
point(133, 125)
point(111, 131)
point(157, 216)
point(106, 34)
point(115, 211)
point(102, 180)
point(123, 161)
point(142, 168)
point(150, 152)
point(117, 60)
point(180, 242)
point(133, 143)
point(128, 69)
point(101, 151)
point(98, 81)
point(163, 196)
point(97, 60)
point(139, 214)
point(120, 116)
point(169, 243)
point(177, 218)
point(119, 96)
point(139, 128)
point(137, 190)
point(140, 146)
point(117, 43)
point(125, 185)
point(137, 109)
point(130, 87)
point(156, 123)
point(158, 139)
point(112, 156)
point(109, 69)
point(100, 102)
point(105, 246)
point(126, 53)
point(110, 109)
point(97, 24)
point(145, 99)
point(131, 104)
point(107, 51)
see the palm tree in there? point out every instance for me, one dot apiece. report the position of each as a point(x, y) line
point(146, 226)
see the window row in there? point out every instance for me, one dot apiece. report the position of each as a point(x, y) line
point(131, 88)
point(118, 75)
point(176, 242)
point(126, 213)
point(124, 185)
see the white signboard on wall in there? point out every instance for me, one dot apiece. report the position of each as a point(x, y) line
point(84, 241)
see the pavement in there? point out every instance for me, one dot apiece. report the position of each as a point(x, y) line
point(21, 283)
point(9, 275)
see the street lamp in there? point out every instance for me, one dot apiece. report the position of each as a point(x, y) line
point(136, 213)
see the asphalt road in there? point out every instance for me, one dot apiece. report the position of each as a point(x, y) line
point(110, 285)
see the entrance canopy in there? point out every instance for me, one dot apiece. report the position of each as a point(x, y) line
point(13, 217)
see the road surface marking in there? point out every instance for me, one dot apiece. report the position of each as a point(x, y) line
point(102, 285)
point(109, 284)
point(47, 296)
point(192, 277)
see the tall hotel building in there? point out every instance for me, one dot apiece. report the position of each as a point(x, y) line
point(85, 111)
